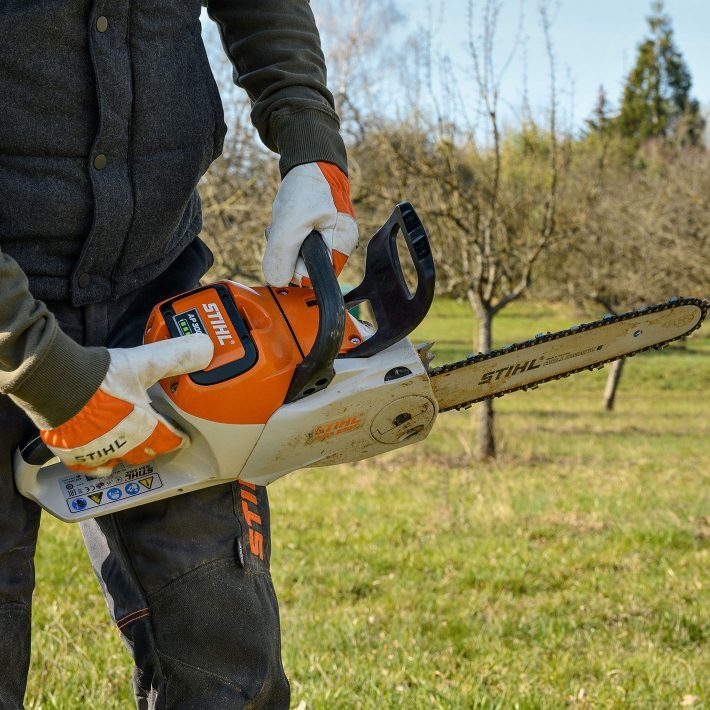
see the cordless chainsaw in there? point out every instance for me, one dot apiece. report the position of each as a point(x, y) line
point(297, 381)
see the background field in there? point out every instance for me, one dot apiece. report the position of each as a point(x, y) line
point(574, 570)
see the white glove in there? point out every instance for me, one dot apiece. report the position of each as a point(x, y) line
point(118, 424)
point(311, 196)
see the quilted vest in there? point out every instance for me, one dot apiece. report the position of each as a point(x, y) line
point(109, 116)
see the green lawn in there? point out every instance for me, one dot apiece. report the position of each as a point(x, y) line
point(574, 570)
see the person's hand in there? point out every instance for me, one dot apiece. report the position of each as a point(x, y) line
point(118, 424)
point(311, 196)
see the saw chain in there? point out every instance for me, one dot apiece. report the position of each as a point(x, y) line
point(608, 319)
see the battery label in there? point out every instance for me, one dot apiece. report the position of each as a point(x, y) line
point(189, 322)
point(83, 492)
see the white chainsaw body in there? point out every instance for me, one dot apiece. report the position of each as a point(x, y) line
point(359, 415)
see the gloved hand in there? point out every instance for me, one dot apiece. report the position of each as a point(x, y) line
point(117, 423)
point(311, 196)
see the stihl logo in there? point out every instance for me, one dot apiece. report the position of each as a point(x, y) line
point(101, 453)
point(252, 517)
point(340, 426)
point(216, 319)
point(506, 372)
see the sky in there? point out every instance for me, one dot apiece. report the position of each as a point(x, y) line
point(594, 43)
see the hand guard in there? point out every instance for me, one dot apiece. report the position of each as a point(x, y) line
point(118, 424)
point(311, 196)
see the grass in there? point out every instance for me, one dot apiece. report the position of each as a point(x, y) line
point(573, 571)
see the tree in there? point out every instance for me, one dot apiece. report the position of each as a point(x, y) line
point(491, 203)
point(504, 232)
point(598, 122)
point(356, 36)
point(239, 187)
point(631, 252)
point(237, 193)
point(656, 102)
point(644, 240)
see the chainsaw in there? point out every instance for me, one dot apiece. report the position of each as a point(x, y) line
point(297, 381)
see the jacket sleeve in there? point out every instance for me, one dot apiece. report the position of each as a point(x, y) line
point(41, 368)
point(275, 49)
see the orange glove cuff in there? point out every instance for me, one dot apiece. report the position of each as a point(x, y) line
point(339, 187)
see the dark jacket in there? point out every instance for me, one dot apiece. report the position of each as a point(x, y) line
point(110, 116)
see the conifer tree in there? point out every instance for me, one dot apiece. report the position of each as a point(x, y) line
point(656, 103)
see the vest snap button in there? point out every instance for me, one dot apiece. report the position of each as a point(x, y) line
point(100, 161)
point(84, 280)
point(102, 24)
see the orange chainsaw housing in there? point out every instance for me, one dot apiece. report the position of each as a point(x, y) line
point(260, 335)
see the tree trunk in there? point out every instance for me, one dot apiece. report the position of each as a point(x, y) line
point(486, 430)
point(612, 384)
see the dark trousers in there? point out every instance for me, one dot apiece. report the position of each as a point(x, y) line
point(192, 599)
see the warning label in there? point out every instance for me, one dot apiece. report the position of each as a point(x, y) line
point(83, 492)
